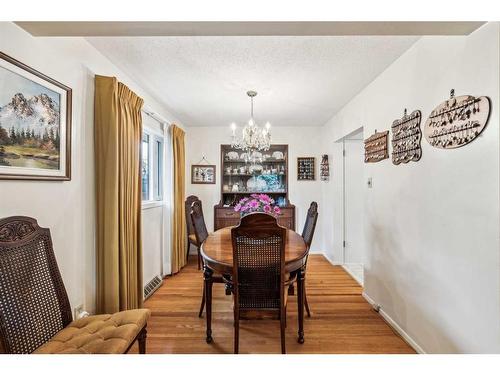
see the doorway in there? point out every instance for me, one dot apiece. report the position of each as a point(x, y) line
point(353, 204)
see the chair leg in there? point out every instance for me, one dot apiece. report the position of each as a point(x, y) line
point(307, 304)
point(142, 340)
point(199, 258)
point(236, 334)
point(202, 302)
point(187, 251)
point(282, 329)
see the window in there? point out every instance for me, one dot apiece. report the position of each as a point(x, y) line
point(145, 167)
point(158, 175)
point(152, 160)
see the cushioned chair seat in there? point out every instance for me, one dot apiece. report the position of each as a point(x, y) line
point(192, 238)
point(98, 334)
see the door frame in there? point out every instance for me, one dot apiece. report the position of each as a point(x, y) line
point(352, 136)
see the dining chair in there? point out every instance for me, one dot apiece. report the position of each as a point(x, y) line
point(191, 237)
point(307, 235)
point(201, 234)
point(35, 313)
point(258, 280)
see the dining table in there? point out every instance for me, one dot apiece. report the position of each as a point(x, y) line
point(217, 254)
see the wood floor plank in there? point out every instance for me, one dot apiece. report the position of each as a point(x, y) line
point(342, 321)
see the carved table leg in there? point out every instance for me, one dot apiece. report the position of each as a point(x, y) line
point(207, 276)
point(300, 304)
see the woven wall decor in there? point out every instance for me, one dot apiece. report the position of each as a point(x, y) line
point(376, 147)
point(325, 168)
point(406, 138)
point(457, 121)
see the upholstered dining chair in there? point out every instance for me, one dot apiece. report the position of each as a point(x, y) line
point(258, 280)
point(307, 235)
point(35, 314)
point(201, 234)
point(191, 237)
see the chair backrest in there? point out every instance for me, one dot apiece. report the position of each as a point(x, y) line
point(200, 229)
point(187, 210)
point(310, 224)
point(34, 305)
point(258, 262)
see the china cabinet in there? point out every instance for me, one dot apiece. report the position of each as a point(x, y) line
point(243, 174)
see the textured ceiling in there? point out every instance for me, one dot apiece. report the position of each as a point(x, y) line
point(301, 81)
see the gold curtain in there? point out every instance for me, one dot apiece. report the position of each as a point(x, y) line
point(117, 150)
point(178, 226)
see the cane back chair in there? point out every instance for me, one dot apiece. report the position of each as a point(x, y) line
point(35, 314)
point(307, 235)
point(201, 233)
point(191, 237)
point(258, 280)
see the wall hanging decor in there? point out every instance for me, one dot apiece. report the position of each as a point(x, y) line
point(35, 124)
point(306, 169)
point(325, 168)
point(457, 121)
point(203, 173)
point(376, 147)
point(406, 138)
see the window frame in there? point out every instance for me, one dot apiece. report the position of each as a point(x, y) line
point(146, 136)
point(156, 157)
point(159, 168)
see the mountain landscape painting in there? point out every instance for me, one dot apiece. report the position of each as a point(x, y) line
point(32, 116)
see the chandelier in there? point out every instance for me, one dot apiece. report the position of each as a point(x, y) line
point(253, 138)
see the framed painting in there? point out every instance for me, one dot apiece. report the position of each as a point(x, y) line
point(202, 174)
point(35, 124)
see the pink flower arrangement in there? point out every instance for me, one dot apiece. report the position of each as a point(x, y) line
point(257, 203)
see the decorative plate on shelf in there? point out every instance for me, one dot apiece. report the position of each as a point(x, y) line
point(232, 155)
point(256, 155)
point(278, 155)
point(255, 168)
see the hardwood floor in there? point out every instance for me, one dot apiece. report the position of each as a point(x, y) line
point(341, 322)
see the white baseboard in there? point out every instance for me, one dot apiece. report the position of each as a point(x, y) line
point(409, 340)
point(331, 260)
point(353, 275)
point(343, 266)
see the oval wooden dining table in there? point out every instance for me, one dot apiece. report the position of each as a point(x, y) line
point(217, 254)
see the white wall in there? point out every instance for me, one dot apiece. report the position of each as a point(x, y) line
point(303, 141)
point(67, 208)
point(152, 242)
point(432, 227)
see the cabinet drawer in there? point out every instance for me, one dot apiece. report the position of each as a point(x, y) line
point(286, 212)
point(227, 213)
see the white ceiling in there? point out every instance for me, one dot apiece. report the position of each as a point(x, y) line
point(301, 80)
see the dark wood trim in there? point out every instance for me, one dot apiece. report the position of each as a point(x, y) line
point(193, 166)
point(69, 100)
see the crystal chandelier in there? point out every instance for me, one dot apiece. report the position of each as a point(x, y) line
point(254, 138)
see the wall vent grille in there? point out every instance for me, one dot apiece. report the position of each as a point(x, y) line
point(150, 287)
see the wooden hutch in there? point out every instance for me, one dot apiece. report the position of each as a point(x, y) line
point(266, 173)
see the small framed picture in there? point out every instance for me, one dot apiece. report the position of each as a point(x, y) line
point(202, 174)
point(306, 170)
point(35, 124)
